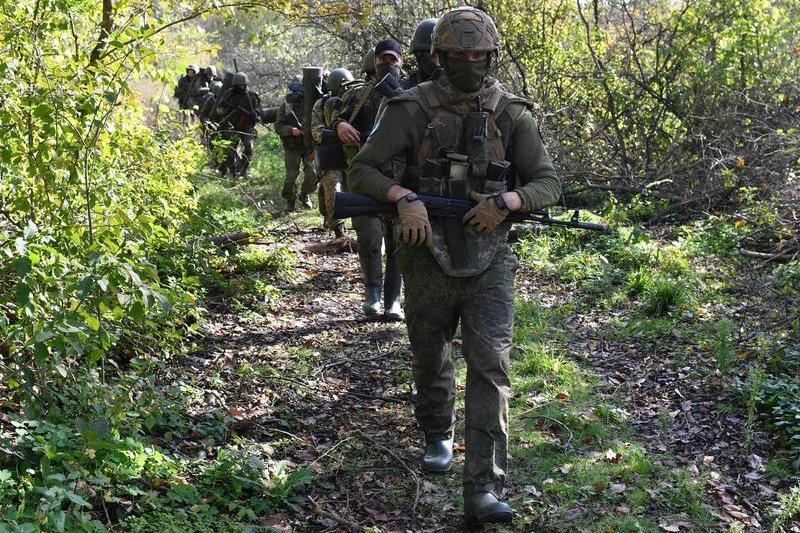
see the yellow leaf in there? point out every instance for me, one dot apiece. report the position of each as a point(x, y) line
point(740, 223)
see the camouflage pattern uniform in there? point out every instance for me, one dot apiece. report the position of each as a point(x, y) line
point(479, 295)
point(371, 230)
point(290, 115)
point(240, 108)
point(330, 181)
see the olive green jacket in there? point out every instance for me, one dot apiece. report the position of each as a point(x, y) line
point(399, 131)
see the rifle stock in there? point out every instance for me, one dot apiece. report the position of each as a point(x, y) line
point(348, 205)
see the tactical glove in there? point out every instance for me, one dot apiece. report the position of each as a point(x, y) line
point(414, 224)
point(488, 214)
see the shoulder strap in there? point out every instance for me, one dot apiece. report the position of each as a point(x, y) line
point(362, 99)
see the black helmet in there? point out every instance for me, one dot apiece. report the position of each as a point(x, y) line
point(421, 42)
point(369, 63)
point(338, 78)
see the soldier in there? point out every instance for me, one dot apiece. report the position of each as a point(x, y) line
point(182, 88)
point(321, 118)
point(240, 108)
point(288, 125)
point(462, 135)
point(427, 64)
point(198, 88)
point(352, 125)
point(369, 65)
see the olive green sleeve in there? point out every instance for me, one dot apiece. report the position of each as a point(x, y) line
point(392, 136)
point(539, 184)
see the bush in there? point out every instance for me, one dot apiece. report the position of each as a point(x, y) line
point(665, 295)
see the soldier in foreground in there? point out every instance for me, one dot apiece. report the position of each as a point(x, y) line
point(352, 125)
point(462, 134)
point(288, 126)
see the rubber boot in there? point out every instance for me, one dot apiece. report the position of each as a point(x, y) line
point(372, 272)
point(438, 456)
point(392, 284)
point(485, 508)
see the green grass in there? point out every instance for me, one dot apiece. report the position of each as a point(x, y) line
point(574, 444)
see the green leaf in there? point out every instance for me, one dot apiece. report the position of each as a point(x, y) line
point(23, 294)
point(23, 266)
point(77, 500)
point(92, 322)
point(58, 519)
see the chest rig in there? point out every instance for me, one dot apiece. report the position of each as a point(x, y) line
point(462, 151)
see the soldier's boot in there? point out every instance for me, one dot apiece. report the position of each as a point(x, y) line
point(392, 285)
point(373, 274)
point(339, 230)
point(438, 456)
point(485, 508)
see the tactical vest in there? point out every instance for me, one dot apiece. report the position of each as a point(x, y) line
point(462, 151)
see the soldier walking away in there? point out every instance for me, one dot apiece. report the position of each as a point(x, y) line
point(427, 64)
point(288, 125)
point(330, 179)
point(353, 125)
point(240, 108)
point(463, 136)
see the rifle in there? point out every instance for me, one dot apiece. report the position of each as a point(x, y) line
point(348, 205)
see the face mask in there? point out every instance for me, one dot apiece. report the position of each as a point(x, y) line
point(426, 65)
point(467, 76)
point(382, 69)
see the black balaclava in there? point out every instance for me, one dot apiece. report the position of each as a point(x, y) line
point(467, 76)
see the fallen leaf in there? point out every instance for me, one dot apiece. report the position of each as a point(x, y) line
point(621, 509)
point(532, 490)
point(755, 462)
point(618, 487)
point(573, 513)
point(566, 468)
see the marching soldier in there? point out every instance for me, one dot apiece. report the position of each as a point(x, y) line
point(240, 108)
point(289, 126)
point(330, 180)
point(462, 135)
point(427, 64)
point(352, 125)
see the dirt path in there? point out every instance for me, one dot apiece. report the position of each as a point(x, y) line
point(632, 436)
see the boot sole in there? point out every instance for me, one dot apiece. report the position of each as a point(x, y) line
point(493, 518)
point(431, 470)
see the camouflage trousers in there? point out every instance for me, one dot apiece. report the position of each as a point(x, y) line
point(435, 303)
point(292, 159)
point(371, 231)
point(330, 181)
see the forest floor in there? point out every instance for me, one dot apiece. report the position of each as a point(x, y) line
point(619, 421)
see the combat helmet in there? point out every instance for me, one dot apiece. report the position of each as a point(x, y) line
point(369, 63)
point(239, 79)
point(465, 29)
point(421, 42)
point(337, 78)
point(295, 84)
